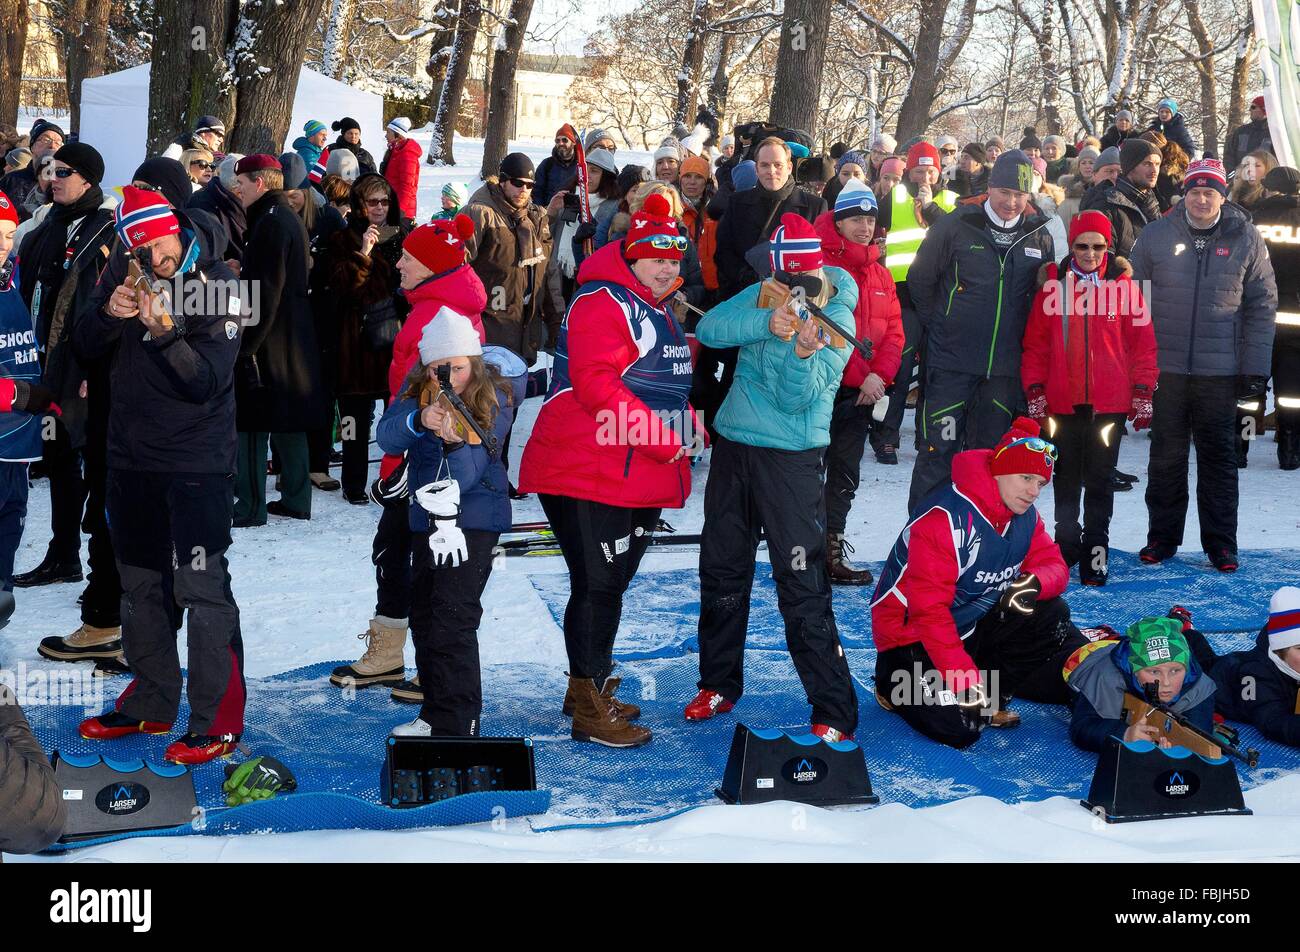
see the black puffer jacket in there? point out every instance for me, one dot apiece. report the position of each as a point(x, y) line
point(973, 303)
point(1126, 219)
point(750, 218)
point(1175, 130)
point(1213, 310)
point(215, 199)
point(173, 401)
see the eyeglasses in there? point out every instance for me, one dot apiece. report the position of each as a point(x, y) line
point(521, 182)
point(64, 172)
point(947, 151)
point(1080, 246)
point(47, 138)
point(1035, 443)
point(377, 202)
point(662, 242)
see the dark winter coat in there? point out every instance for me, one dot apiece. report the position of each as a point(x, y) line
point(1099, 683)
point(974, 304)
point(281, 335)
point(553, 173)
point(64, 371)
point(172, 408)
point(1246, 138)
point(1213, 311)
point(1254, 690)
point(365, 161)
point(215, 199)
point(509, 251)
point(1126, 219)
point(751, 217)
point(32, 815)
point(1277, 219)
point(1175, 130)
point(18, 185)
point(1113, 137)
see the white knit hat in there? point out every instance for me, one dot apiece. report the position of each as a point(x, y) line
point(448, 335)
point(400, 126)
point(1284, 618)
point(668, 152)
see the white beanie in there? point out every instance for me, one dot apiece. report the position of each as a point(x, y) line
point(448, 335)
point(343, 164)
point(884, 140)
point(1284, 626)
point(668, 152)
point(942, 141)
point(400, 126)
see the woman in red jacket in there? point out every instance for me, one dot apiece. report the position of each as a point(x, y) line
point(401, 164)
point(608, 451)
point(846, 235)
point(1089, 361)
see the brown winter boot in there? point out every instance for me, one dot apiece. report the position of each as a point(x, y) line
point(595, 718)
point(630, 712)
point(86, 643)
point(382, 663)
point(838, 567)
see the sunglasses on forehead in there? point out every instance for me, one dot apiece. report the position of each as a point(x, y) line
point(1035, 443)
point(662, 242)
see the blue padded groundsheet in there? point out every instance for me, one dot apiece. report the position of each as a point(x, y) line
point(335, 743)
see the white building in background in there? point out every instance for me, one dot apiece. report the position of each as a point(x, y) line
point(542, 94)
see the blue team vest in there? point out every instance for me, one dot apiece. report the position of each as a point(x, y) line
point(987, 561)
point(661, 376)
point(20, 433)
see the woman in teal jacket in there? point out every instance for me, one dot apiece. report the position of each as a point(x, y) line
point(766, 474)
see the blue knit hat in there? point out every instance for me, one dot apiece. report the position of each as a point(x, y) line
point(744, 176)
point(854, 199)
point(798, 150)
point(314, 126)
point(1172, 104)
point(855, 156)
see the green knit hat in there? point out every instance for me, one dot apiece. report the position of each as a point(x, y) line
point(1153, 641)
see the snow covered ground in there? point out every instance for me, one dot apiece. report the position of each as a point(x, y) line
point(305, 591)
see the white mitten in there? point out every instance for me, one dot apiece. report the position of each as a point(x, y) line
point(441, 500)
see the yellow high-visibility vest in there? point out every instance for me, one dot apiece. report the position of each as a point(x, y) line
point(905, 231)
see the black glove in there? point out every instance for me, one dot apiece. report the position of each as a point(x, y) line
point(585, 230)
point(1251, 385)
point(1021, 596)
point(32, 397)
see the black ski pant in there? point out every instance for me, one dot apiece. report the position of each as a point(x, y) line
point(356, 417)
point(707, 389)
point(391, 555)
point(752, 490)
point(1286, 380)
point(1088, 444)
point(602, 547)
point(959, 412)
point(446, 608)
point(1019, 655)
point(887, 431)
point(1202, 410)
point(849, 426)
point(101, 602)
point(171, 532)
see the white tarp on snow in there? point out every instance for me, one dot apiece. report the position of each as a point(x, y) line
point(115, 116)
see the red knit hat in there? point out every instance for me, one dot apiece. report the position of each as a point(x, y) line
point(1022, 450)
point(1090, 221)
point(654, 219)
point(1258, 103)
point(795, 246)
point(7, 210)
point(440, 245)
point(923, 155)
point(143, 216)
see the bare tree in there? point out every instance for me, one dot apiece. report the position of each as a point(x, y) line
point(1242, 69)
point(338, 26)
point(688, 77)
point(187, 66)
point(444, 119)
point(934, 56)
point(13, 43)
point(796, 88)
point(503, 95)
point(85, 36)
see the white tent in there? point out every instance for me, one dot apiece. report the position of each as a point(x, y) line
point(115, 116)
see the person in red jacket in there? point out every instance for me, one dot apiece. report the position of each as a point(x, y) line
point(401, 164)
point(436, 281)
point(1088, 361)
point(968, 610)
point(846, 235)
point(608, 451)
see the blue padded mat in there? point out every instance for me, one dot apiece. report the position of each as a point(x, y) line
point(334, 743)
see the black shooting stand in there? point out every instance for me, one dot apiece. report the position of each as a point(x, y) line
point(1137, 780)
point(105, 796)
point(766, 765)
point(421, 770)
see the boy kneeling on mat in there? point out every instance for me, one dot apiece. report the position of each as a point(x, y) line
point(967, 612)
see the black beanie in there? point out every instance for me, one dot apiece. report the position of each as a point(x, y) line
point(1012, 170)
point(168, 176)
point(976, 152)
point(85, 159)
point(517, 165)
point(44, 125)
point(1283, 179)
point(344, 124)
point(1031, 140)
point(1133, 152)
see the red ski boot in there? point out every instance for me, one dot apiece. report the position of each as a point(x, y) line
point(706, 704)
point(115, 724)
point(830, 734)
point(200, 748)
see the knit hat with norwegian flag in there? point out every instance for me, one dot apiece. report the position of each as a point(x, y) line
point(143, 216)
point(795, 246)
point(1206, 173)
